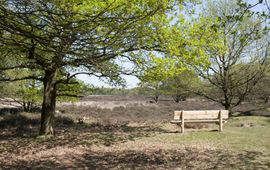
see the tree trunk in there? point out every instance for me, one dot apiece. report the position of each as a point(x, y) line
point(229, 108)
point(266, 99)
point(156, 98)
point(176, 98)
point(28, 106)
point(25, 109)
point(48, 105)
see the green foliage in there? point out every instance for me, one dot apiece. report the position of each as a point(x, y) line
point(152, 88)
point(185, 44)
point(58, 40)
point(182, 86)
point(262, 88)
point(188, 45)
point(86, 33)
point(27, 93)
point(232, 75)
point(73, 90)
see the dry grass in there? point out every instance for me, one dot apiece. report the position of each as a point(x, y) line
point(133, 137)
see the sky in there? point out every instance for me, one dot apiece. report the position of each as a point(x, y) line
point(133, 81)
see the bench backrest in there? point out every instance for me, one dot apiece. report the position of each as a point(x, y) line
point(201, 114)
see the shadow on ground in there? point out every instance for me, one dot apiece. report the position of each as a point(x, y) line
point(185, 159)
point(20, 132)
point(21, 126)
point(20, 148)
point(9, 111)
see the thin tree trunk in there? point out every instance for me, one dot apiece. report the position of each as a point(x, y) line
point(156, 98)
point(266, 99)
point(48, 105)
point(229, 108)
point(24, 107)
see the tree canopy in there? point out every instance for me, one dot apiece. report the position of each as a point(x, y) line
point(56, 40)
point(233, 74)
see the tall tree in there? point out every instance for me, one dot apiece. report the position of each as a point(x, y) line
point(234, 73)
point(60, 39)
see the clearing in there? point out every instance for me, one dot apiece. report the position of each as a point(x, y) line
point(134, 135)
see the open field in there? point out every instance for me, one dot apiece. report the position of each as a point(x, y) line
point(132, 133)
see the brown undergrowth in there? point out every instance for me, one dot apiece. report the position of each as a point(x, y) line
point(133, 137)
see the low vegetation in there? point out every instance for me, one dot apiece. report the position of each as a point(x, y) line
point(131, 137)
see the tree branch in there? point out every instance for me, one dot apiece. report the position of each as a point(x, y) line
point(22, 78)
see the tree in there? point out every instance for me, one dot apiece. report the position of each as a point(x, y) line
point(262, 5)
point(262, 88)
point(172, 71)
point(61, 39)
point(182, 86)
point(234, 73)
point(28, 93)
point(151, 88)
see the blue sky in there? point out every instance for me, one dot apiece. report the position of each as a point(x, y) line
point(132, 81)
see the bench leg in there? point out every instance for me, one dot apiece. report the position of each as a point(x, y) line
point(220, 122)
point(183, 126)
point(182, 122)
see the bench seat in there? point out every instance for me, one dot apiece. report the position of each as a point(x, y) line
point(200, 116)
point(196, 121)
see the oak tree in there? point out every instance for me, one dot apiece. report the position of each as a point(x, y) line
point(59, 39)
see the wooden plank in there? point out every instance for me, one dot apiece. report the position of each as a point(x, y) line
point(202, 121)
point(225, 113)
point(204, 111)
point(197, 121)
point(177, 115)
point(202, 114)
point(207, 112)
point(199, 116)
point(183, 122)
point(176, 121)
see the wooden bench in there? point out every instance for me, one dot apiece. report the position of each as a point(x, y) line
point(200, 116)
